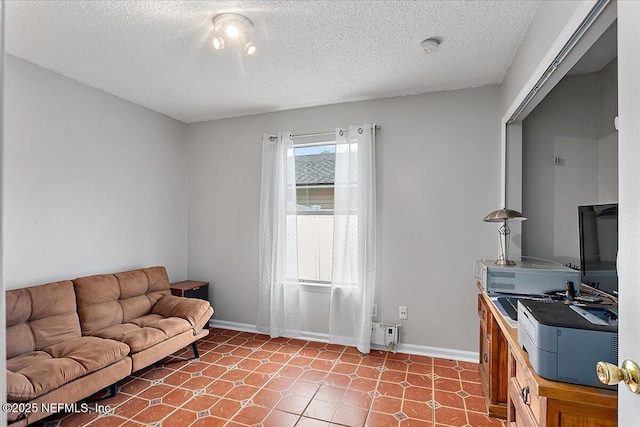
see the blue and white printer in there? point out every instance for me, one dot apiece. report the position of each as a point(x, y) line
point(565, 341)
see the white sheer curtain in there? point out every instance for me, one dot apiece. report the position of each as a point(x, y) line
point(279, 299)
point(354, 238)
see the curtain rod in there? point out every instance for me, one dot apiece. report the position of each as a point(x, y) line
point(324, 133)
point(273, 138)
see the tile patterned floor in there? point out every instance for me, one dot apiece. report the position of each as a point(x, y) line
point(244, 379)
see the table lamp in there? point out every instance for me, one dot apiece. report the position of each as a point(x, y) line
point(503, 215)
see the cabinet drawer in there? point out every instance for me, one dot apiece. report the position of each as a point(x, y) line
point(483, 314)
point(522, 415)
point(524, 392)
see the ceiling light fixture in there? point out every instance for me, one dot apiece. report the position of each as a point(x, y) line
point(430, 45)
point(231, 26)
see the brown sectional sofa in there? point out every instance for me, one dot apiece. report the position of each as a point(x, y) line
point(67, 340)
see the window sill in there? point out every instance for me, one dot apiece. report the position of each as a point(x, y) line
point(324, 288)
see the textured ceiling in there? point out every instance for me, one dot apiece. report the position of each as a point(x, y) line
point(158, 53)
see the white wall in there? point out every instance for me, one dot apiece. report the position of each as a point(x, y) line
point(92, 183)
point(548, 23)
point(575, 122)
point(438, 176)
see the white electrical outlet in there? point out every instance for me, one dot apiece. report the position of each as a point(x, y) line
point(402, 314)
point(374, 311)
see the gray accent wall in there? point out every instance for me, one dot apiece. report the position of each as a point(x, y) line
point(92, 183)
point(438, 175)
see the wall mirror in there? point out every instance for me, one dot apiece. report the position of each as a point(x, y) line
point(562, 147)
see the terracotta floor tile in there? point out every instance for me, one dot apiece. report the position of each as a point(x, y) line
point(376, 419)
point(419, 394)
point(451, 417)
point(293, 404)
point(474, 389)
point(420, 368)
point(309, 352)
point(136, 386)
point(108, 421)
point(444, 362)
point(473, 376)
point(387, 405)
point(481, 420)
point(300, 361)
point(357, 399)
point(279, 384)
point(411, 422)
point(177, 378)
point(352, 358)
point(219, 387)
point(396, 365)
point(251, 415)
point(177, 397)
point(291, 371)
point(214, 371)
point(304, 388)
point(280, 419)
point(197, 383)
point(131, 407)
point(322, 365)
point(208, 422)
point(241, 392)
point(257, 379)
point(337, 380)
point(393, 376)
point(154, 413)
point(75, 420)
point(225, 408)
point(363, 384)
point(368, 372)
point(390, 389)
point(235, 375)
point(241, 377)
point(268, 368)
point(476, 404)
point(446, 372)
point(313, 375)
point(267, 398)
point(312, 422)
point(446, 384)
point(349, 416)
point(445, 398)
point(344, 368)
point(194, 366)
point(156, 374)
point(321, 410)
point(417, 410)
point(201, 403)
point(156, 391)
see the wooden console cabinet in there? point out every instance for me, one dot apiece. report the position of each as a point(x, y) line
point(513, 390)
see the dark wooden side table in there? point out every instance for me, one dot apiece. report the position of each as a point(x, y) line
point(191, 289)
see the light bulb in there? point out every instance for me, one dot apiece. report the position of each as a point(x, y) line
point(218, 43)
point(232, 30)
point(250, 48)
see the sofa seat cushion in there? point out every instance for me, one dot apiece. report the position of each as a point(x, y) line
point(146, 331)
point(36, 373)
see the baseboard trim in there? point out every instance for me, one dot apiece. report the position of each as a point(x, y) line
point(421, 350)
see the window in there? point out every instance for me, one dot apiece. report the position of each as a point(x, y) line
point(315, 171)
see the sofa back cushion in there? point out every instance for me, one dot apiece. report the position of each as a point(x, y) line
point(40, 316)
point(111, 299)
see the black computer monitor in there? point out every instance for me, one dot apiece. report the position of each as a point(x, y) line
point(598, 227)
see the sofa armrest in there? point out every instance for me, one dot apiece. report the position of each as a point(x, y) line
point(195, 311)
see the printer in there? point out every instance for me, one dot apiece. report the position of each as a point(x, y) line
point(565, 341)
point(529, 277)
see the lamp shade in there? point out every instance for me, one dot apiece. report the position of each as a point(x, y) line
point(504, 215)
